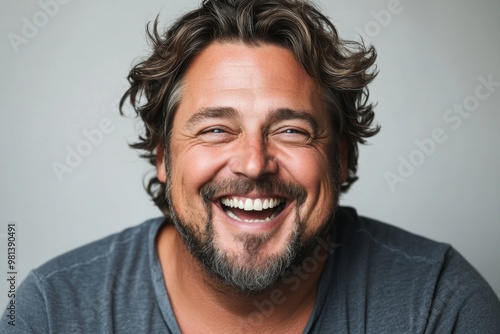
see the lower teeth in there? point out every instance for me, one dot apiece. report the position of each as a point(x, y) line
point(232, 215)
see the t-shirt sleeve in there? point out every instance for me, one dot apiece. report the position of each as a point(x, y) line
point(463, 301)
point(29, 314)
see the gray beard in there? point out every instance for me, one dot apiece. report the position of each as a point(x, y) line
point(249, 272)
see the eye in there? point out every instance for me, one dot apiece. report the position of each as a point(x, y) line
point(293, 135)
point(216, 135)
point(291, 131)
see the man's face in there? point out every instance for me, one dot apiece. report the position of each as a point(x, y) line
point(250, 162)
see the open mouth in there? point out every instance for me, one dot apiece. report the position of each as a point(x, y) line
point(252, 210)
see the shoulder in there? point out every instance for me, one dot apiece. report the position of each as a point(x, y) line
point(388, 240)
point(118, 247)
point(408, 281)
point(81, 288)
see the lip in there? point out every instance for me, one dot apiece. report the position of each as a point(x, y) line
point(255, 227)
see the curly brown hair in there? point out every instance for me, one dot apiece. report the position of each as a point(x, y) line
point(342, 68)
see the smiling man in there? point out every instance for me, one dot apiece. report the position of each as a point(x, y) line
point(250, 162)
point(253, 110)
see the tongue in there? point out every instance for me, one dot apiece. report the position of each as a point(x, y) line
point(250, 215)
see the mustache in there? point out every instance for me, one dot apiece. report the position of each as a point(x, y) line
point(242, 186)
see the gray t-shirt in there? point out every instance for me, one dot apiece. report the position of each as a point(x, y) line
point(378, 279)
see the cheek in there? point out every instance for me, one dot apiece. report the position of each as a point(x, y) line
point(191, 168)
point(312, 169)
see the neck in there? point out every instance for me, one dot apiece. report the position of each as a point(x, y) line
point(195, 294)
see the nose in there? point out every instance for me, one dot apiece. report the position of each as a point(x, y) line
point(253, 159)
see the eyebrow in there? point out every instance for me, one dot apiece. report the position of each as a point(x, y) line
point(288, 114)
point(212, 112)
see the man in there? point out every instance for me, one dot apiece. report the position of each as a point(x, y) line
point(253, 111)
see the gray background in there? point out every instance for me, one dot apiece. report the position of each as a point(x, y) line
point(67, 77)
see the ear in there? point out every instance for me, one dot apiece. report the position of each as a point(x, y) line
point(161, 172)
point(344, 157)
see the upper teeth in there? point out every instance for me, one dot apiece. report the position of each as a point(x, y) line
point(249, 204)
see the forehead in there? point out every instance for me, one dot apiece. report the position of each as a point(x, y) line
point(250, 79)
